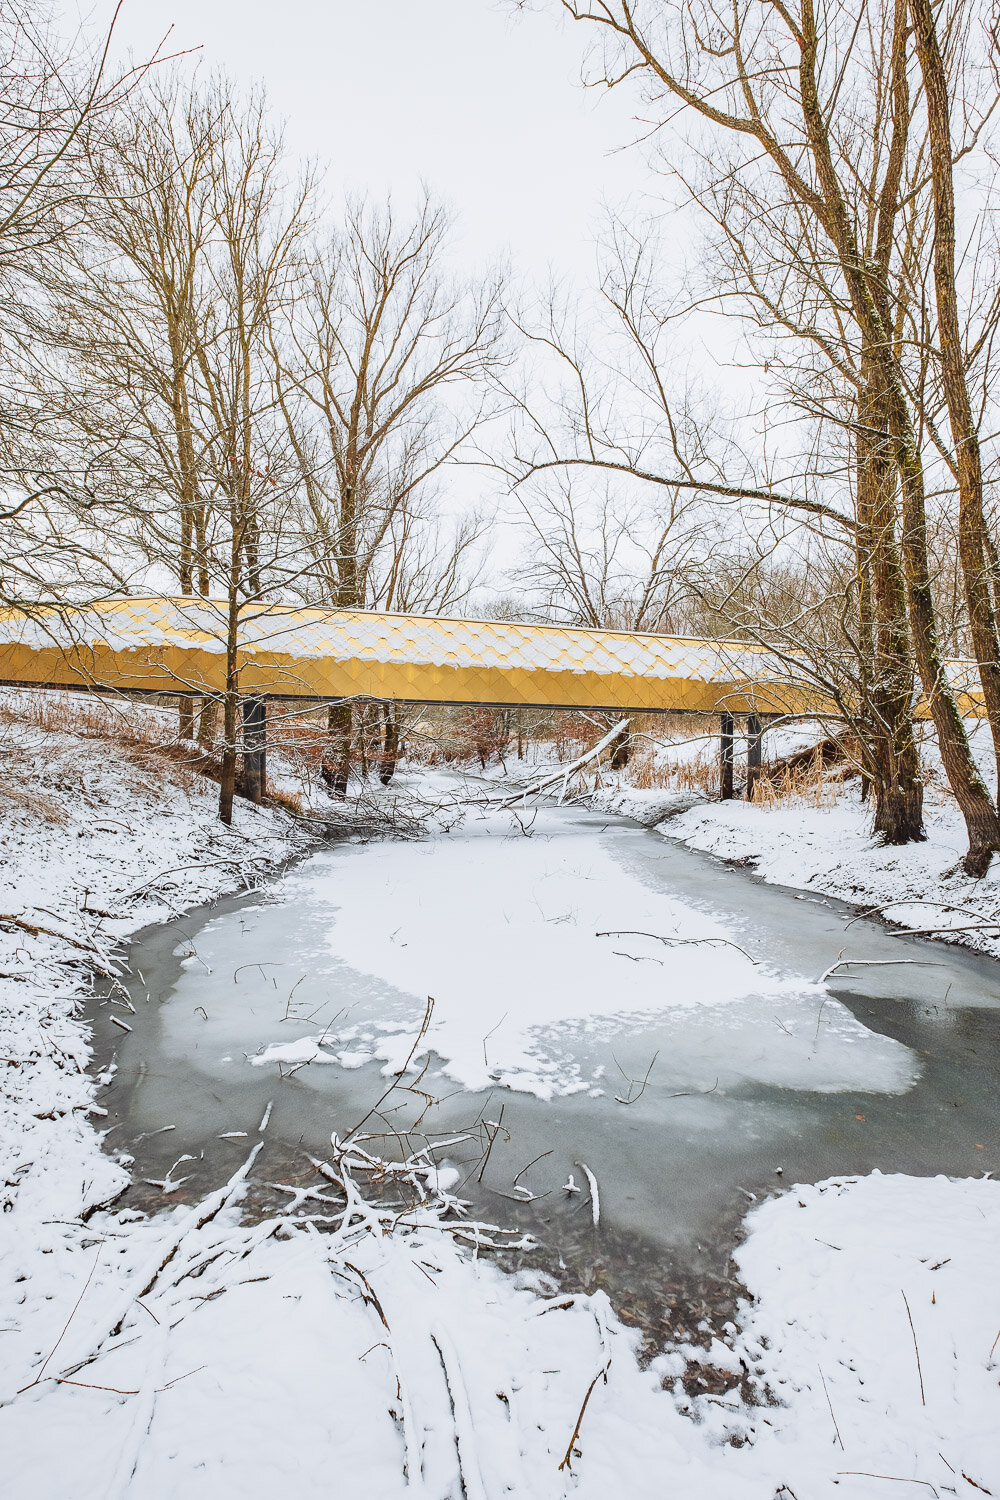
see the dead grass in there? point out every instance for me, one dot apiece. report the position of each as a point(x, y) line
point(139, 738)
point(645, 770)
point(29, 800)
point(88, 716)
point(810, 783)
point(289, 801)
point(807, 778)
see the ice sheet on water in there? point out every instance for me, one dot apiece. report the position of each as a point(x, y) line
point(539, 952)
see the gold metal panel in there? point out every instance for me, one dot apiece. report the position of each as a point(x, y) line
point(178, 646)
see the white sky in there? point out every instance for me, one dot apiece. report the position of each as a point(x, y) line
point(483, 104)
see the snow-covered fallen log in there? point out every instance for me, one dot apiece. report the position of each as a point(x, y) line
point(564, 774)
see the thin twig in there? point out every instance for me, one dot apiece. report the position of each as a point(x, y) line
point(895, 1478)
point(567, 1462)
point(68, 1321)
point(425, 1023)
point(531, 1164)
point(920, 1373)
point(496, 1129)
point(633, 1081)
point(675, 942)
point(829, 1403)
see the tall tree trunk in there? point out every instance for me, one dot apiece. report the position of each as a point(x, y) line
point(231, 697)
point(185, 705)
point(897, 782)
point(337, 755)
point(336, 765)
point(972, 532)
point(188, 469)
point(971, 794)
point(870, 306)
point(231, 705)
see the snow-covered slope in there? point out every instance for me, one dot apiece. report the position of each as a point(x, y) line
point(373, 1353)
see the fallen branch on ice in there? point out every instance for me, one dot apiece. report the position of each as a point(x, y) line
point(595, 1196)
point(874, 963)
point(675, 942)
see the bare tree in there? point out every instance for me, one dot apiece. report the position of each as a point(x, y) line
point(197, 250)
point(966, 460)
point(702, 553)
point(57, 99)
point(610, 561)
point(382, 364)
point(771, 96)
point(140, 307)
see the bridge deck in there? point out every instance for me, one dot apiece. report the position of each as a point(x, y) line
point(156, 645)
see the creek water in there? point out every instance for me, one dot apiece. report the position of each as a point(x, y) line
point(892, 1066)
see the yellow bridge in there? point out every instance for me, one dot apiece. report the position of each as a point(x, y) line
point(178, 646)
point(181, 647)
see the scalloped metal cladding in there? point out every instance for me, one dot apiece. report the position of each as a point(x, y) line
point(178, 646)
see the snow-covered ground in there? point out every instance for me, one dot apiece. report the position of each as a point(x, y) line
point(830, 849)
point(373, 1352)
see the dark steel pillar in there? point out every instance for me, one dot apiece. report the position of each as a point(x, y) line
point(755, 736)
point(255, 748)
point(726, 758)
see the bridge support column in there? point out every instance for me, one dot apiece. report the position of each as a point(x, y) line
point(726, 757)
point(755, 736)
point(254, 711)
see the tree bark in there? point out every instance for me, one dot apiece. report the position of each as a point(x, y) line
point(231, 697)
point(896, 779)
point(871, 315)
point(970, 791)
point(336, 765)
point(972, 531)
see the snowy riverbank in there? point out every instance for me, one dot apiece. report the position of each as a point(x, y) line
point(187, 1354)
point(820, 840)
point(830, 850)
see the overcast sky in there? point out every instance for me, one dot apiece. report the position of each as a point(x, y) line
point(484, 105)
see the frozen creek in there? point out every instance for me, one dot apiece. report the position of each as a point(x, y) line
point(307, 996)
